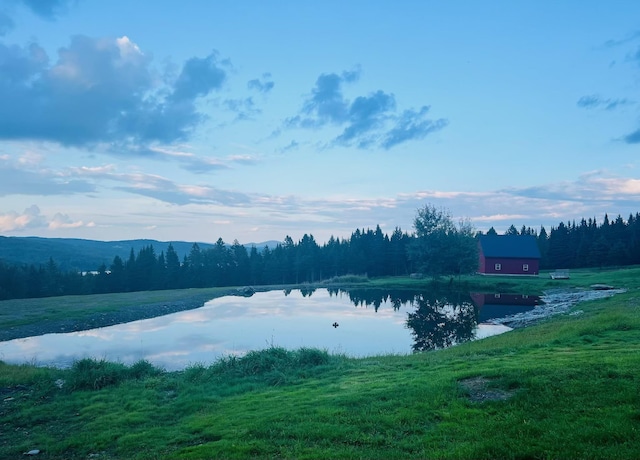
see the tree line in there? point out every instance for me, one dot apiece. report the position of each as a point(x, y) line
point(437, 247)
point(367, 252)
point(587, 243)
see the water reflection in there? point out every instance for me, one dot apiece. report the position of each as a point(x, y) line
point(498, 306)
point(382, 322)
point(442, 321)
point(436, 320)
point(377, 297)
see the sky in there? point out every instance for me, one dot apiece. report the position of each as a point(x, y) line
point(253, 120)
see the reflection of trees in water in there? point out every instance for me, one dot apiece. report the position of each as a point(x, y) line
point(376, 297)
point(439, 320)
point(305, 291)
point(436, 320)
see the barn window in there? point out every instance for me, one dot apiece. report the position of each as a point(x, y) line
point(498, 267)
point(525, 267)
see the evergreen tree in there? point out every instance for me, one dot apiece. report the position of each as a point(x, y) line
point(512, 230)
point(543, 246)
point(173, 268)
point(306, 259)
point(51, 285)
point(160, 281)
point(357, 256)
point(117, 282)
point(145, 270)
point(398, 253)
point(195, 266)
point(559, 253)
point(256, 266)
point(130, 271)
point(240, 265)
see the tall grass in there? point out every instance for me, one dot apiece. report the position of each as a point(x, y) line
point(91, 374)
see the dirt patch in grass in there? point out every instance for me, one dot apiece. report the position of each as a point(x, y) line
point(478, 390)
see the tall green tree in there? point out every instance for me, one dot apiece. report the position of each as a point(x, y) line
point(173, 268)
point(117, 281)
point(306, 261)
point(195, 267)
point(512, 230)
point(439, 247)
point(398, 253)
point(464, 249)
point(240, 265)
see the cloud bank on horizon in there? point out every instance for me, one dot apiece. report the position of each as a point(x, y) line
point(263, 127)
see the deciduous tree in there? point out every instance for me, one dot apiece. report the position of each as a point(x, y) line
point(439, 247)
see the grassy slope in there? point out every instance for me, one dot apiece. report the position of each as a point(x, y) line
point(572, 384)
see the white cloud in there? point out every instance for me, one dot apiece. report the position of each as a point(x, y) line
point(63, 221)
point(101, 92)
point(129, 51)
point(30, 218)
point(500, 217)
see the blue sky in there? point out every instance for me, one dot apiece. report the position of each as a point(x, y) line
point(255, 120)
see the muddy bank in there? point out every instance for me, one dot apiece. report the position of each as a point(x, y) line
point(555, 302)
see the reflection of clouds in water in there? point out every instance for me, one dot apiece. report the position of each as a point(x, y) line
point(204, 314)
point(102, 334)
point(270, 303)
point(196, 341)
point(485, 330)
point(232, 326)
point(27, 345)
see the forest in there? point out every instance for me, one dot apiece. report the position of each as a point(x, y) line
point(369, 253)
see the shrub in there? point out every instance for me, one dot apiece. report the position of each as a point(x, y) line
point(308, 357)
point(142, 369)
point(347, 279)
point(260, 362)
point(274, 365)
point(195, 373)
point(91, 374)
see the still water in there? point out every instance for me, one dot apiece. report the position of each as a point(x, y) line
point(357, 323)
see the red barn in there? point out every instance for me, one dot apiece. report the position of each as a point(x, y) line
point(508, 255)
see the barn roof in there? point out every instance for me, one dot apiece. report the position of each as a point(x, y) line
point(510, 246)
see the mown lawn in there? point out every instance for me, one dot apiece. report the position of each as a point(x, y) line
point(566, 388)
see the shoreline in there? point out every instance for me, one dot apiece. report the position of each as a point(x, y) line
point(555, 302)
point(97, 320)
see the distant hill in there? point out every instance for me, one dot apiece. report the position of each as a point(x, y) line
point(271, 244)
point(74, 254)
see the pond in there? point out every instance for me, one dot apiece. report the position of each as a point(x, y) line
point(356, 322)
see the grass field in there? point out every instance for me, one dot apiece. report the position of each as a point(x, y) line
point(566, 388)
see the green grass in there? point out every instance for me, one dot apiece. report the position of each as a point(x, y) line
point(571, 387)
point(516, 284)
